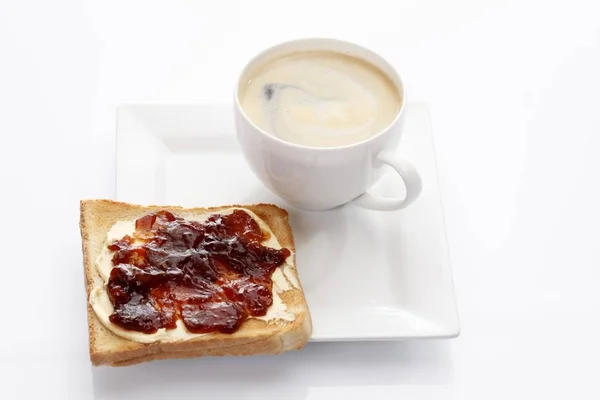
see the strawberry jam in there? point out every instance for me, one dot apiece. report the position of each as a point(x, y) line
point(212, 275)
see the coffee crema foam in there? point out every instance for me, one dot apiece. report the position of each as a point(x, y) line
point(319, 98)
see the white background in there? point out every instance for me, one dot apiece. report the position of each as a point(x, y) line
point(514, 91)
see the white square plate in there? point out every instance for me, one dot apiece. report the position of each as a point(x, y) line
point(367, 275)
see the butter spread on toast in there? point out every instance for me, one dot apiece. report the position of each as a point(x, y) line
point(282, 278)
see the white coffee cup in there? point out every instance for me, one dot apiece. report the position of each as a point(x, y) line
point(322, 178)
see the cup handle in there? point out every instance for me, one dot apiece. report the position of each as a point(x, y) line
point(412, 182)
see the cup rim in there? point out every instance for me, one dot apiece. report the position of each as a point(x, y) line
point(267, 135)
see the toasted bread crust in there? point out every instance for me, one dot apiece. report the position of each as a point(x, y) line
point(254, 336)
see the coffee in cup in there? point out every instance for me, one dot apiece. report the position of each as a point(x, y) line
point(319, 98)
point(316, 119)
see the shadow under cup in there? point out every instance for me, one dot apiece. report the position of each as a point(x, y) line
point(310, 177)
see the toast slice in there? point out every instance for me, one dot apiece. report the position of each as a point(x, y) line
point(254, 336)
